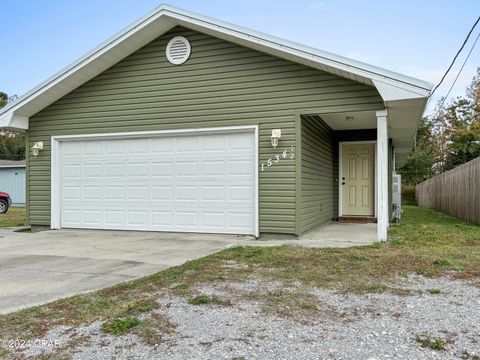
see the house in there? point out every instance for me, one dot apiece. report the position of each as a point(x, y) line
point(185, 123)
point(12, 180)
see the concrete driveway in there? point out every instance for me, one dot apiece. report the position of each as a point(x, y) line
point(36, 268)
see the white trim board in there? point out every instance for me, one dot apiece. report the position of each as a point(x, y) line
point(340, 167)
point(55, 222)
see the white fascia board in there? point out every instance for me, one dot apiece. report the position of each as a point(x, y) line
point(390, 92)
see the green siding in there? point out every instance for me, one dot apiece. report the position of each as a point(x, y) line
point(317, 173)
point(222, 84)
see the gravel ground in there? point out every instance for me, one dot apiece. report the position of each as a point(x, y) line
point(343, 326)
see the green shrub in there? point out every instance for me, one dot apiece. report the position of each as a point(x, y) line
point(408, 195)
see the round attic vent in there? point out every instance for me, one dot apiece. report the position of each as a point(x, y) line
point(178, 50)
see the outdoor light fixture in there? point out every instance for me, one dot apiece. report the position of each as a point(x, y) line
point(276, 134)
point(349, 118)
point(36, 148)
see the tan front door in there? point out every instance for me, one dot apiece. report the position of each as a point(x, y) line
point(357, 179)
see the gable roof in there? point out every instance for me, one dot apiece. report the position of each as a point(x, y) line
point(404, 96)
point(391, 86)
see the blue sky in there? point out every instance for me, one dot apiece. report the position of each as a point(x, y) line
point(417, 38)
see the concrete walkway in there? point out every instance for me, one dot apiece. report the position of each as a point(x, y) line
point(336, 234)
point(40, 267)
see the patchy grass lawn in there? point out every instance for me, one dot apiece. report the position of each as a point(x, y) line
point(14, 217)
point(426, 242)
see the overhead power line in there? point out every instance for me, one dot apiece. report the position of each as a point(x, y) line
point(456, 78)
point(456, 56)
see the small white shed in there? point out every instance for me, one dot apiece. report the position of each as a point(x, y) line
point(12, 180)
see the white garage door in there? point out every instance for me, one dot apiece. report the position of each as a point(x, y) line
point(189, 183)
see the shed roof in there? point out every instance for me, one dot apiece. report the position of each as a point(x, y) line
point(12, 163)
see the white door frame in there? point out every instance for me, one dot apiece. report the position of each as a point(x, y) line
point(340, 169)
point(55, 159)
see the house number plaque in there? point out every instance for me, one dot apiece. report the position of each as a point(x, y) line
point(285, 155)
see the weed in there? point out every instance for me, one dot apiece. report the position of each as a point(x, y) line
point(120, 326)
point(139, 307)
point(435, 291)
point(443, 262)
point(208, 299)
point(428, 342)
point(3, 352)
point(14, 217)
point(153, 329)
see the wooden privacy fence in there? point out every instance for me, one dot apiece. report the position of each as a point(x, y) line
point(455, 192)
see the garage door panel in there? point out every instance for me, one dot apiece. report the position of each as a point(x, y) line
point(71, 171)
point(186, 168)
point(71, 149)
point(93, 148)
point(115, 147)
point(240, 168)
point(200, 183)
point(162, 192)
point(72, 193)
point(214, 168)
point(93, 192)
point(241, 142)
point(162, 218)
point(93, 170)
point(161, 145)
point(137, 217)
point(186, 219)
point(71, 216)
point(92, 216)
point(113, 217)
point(162, 169)
point(186, 193)
point(213, 143)
point(213, 193)
point(137, 146)
point(138, 169)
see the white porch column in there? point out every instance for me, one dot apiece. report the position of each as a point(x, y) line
point(382, 175)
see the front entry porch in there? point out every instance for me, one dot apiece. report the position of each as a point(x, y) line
point(346, 166)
